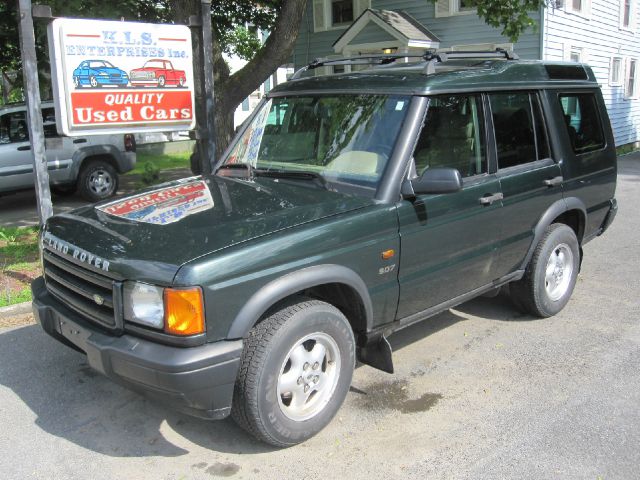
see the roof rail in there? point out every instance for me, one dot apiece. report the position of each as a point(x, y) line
point(431, 57)
point(438, 57)
point(381, 59)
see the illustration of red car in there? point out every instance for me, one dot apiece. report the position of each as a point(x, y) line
point(157, 73)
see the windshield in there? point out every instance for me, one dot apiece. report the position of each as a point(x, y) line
point(100, 64)
point(154, 64)
point(347, 139)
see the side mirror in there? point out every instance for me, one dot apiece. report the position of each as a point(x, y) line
point(433, 181)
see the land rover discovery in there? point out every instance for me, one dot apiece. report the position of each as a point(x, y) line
point(348, 207)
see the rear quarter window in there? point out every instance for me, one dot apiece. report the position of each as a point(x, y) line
point(582, 121)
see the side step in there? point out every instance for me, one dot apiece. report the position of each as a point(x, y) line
point(376, 353)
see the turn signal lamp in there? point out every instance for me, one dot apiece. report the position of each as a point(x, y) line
point(184, 311)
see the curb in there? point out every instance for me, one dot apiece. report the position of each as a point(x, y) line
point(18, 309)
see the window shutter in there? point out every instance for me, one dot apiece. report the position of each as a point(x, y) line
point(360, 6)
point(319, 18)
point(443, 8)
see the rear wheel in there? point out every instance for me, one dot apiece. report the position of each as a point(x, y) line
point(97, 180)
point(551, 274)
point(295, 372)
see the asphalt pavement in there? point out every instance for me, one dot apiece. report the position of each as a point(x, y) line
point(480, 392)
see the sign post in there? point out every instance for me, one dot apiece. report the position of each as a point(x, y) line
point(34, 116)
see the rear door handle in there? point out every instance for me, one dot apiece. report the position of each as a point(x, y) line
point(552, 182)
point(80, 140)
point(489, 199)
point(24, 147)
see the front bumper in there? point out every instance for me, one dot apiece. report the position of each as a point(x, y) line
point(195, 380)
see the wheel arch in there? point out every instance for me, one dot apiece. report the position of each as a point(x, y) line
point(335, 284)
point(570, 211)
point(108, 153)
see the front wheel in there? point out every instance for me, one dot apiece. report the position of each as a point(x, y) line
point(295, 372)
point(97, 180)
point(551, 275)
point(161, 81)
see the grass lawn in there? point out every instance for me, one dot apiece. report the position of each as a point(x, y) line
point(161, 162)
point(19, 263)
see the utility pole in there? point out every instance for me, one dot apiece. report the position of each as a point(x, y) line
point(207, 50)
point(34, 116)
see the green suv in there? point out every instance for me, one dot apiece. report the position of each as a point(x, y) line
point(348, 207)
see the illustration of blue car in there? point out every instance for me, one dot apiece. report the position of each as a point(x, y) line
point(98, 73)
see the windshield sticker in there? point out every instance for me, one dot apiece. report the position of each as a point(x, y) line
point(399, 106)
point(255, 138)
point(163, 206)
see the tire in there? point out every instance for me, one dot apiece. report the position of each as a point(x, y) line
point(551, 275)
point(194, 162)
point(295, 372)
point(93, 82)
point(181, 82)
point(76, 81)
point(161, 81)
point(97, 180)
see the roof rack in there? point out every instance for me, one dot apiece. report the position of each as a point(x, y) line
point(381, 59)
point(438, 57)
point(430, 57)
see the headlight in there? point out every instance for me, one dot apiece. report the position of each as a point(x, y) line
point(180, 311)
point(144, 304)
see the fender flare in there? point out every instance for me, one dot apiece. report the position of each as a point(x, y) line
point(291, 283)
point(555, 209)
point(86, 152)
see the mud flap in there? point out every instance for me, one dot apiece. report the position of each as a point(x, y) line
point(377, 354)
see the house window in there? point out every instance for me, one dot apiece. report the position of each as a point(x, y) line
point(627, 14)
point(341, 12)
point(582, 7)
point(575, 55)
point(615, 72)
point(331, 14)
point(630, 89)
point(245, 105)
point(448, 8)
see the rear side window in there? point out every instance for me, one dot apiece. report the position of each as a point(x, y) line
point(582, 120)
point(520, 132)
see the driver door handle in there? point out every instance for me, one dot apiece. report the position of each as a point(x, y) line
point(489, 199)
point(23, 148)
point(552, 182)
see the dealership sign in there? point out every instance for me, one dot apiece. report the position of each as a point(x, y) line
point(121, 76)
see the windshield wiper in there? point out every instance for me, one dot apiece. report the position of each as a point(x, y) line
point(294, 175)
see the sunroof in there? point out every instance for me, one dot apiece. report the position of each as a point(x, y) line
point(566, 72)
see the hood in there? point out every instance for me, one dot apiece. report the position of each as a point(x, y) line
point(150, 234)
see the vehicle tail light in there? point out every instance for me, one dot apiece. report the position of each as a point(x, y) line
point(129, 143)
point(184, 311)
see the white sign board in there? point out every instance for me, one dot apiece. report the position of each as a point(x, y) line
point(121, 77)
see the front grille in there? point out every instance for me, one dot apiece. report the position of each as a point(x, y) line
point(95, 297)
